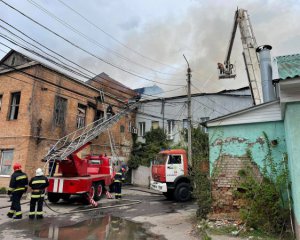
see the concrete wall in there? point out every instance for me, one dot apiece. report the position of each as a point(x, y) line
point(141, 176)
point(291, 123)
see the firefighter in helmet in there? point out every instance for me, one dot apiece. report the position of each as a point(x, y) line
point(17, 186)
point(119, 177)
point(38, 185)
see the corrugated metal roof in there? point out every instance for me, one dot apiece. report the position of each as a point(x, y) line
point(288, 66)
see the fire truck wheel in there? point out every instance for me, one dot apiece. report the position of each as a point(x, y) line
point(169, 195)
point(182, 192)
point(98, 191)
point(53, 197)
point(66, 197)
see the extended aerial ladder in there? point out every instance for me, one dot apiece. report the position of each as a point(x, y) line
point(75, 140)
point(250, 56)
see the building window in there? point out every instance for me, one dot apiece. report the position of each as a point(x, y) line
point(99, 115)
point(81, 114)
point(142, 126)
point(170, 128)
point(204, 119)
point(122, 128)
point(6, 158)
point(1, 96)
point(154, 124)
point(185, 124)
point(14, 106)
point(60, 111)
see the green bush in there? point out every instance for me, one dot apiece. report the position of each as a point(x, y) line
point(266, 197)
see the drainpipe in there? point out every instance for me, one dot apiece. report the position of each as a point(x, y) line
point(266, 73)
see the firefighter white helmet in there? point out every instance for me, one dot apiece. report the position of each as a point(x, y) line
point(39, 172)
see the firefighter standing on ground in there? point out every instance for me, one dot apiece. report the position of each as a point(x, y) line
point(17, 186)
point(38, 185)
point(119, 178)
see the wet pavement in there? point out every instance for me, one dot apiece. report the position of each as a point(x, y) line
point(153, 218)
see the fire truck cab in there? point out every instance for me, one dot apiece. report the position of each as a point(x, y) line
point(170, 175)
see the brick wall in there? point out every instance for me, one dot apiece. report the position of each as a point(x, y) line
point(32, 134)
point(225, 180)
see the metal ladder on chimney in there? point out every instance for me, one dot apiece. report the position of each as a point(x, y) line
point(73, 141)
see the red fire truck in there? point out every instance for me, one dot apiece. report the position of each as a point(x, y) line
point(81, 176)
point(170, 175)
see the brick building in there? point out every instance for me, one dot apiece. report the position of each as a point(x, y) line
point(39, 105)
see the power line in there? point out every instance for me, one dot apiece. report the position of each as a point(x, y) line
point(86, 51)
point(88, 76)
point(112, 37)
point(90, 39)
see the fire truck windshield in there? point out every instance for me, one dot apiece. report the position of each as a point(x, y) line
point(160, 159)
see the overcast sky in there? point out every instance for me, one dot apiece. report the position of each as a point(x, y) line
point(148, 37)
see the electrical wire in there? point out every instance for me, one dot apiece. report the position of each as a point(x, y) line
point(86, 51)
point(90, 39)
point(14, 42)
point(112, 37)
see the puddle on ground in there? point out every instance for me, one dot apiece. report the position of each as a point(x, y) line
point(100, 228)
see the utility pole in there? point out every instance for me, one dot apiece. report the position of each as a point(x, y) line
point(189, 112)
point(163, 112)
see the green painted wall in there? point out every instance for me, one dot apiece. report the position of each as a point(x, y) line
point(292, 129)
point(236, 139)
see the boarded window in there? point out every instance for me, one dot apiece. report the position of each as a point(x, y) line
point(155, 124)
point(142, 126)
point(6, 159)
point(60, 111)
point(81, 115)
point(14, 106)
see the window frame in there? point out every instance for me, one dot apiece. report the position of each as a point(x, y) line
point(79, 118)
point(142, 129)
point(13, 107)
point(60, 121)
point(170, 127)
point(1, 161)
point(185, 121)
point(174, 155)
point(154, 122)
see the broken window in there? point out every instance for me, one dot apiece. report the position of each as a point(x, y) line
point(81, 114)
point(1, 101)
point(60, 111)
point(142, 126)
point(155, 125)
point(6, 158)
point(14, 106)
point(99, 115)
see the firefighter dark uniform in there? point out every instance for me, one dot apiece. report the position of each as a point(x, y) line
point(118, 183)
point(38, 185)
point(17, 186)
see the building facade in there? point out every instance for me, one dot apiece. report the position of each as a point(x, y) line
point(232, 136)
point(170, 113)
point(39, 105)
